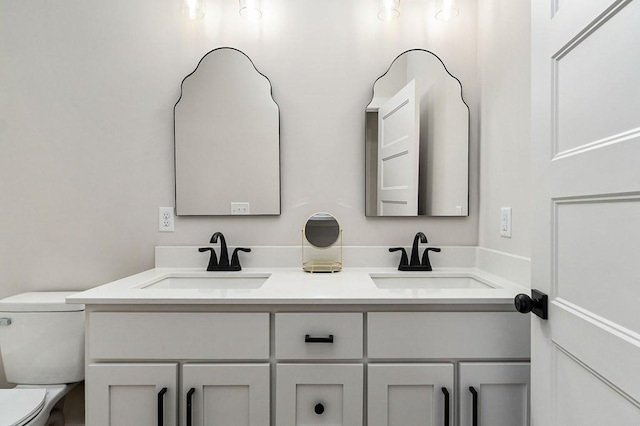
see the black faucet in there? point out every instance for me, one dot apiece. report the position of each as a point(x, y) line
point(223, 264)
point(415, 264)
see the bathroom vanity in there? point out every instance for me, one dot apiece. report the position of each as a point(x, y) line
point(278, 346)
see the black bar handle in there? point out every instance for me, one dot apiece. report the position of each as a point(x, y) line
point(189, 406)
point(161, 406)
point(446, 406)
point(474, 409)
point(309, 339)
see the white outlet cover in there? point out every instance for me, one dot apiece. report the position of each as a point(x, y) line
point(166, 219)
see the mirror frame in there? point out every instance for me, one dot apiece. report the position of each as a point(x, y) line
point(468, 133)
point(175, 164)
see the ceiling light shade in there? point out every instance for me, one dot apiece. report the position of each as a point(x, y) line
point(446, 10)
point(192, 9)
point(388, 10)
point(250, 9)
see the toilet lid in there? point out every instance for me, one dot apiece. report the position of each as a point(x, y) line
point(18, 406)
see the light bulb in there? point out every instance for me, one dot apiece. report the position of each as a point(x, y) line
point(446, 10)
point(388, 10)
point(193, 9)
point(250, 9)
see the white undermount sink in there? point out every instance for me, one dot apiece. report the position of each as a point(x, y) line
point(423, 281)
point(209, 282)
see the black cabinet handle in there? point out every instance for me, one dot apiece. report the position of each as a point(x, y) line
point(161, 406)
point(446, 406)
point(189, 407)
point(309, 339)
point(474, 409)
point(319, 408)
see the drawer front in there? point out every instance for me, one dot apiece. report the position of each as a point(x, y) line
point(292, 331)
point(440, 335)
point(169, 335)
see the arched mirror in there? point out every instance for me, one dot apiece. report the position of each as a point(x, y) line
point(322, 244)
point(417, 141)
point(227, 139)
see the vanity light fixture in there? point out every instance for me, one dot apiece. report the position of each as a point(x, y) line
point(192, 9)
point(446, 10)
point(250, 9)
point(388, 10)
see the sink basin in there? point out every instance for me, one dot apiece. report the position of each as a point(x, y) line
point(209, 282)
point(428, 282)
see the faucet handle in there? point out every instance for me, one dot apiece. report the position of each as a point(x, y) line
point(213, 260)
point(425, 257)
point(235, 262)
point(404, 260)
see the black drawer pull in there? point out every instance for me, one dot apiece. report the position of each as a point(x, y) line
point(319, 408)
point(309, 339)
point(474, 409)
point(161, 406)
point(446, 406)
point(189, 407)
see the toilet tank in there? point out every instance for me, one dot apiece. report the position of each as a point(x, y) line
point(42, 338)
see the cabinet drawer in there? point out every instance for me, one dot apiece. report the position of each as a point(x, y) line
point(439, 335)
point(169, 335)
point(330, 336)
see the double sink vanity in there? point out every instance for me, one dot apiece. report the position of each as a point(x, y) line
point(177, 345)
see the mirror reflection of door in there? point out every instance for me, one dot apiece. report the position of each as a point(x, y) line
point(443, 133)
point(398, 153)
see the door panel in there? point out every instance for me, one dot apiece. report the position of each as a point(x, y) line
point(586, 146)
point(575, 385)
point(227, 394)
point(503, 393)
point(598, 106)
point(127, 394)
point(338, 388)
point(398, 153)
point(409, 394)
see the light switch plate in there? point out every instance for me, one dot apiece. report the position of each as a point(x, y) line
point(505, 222)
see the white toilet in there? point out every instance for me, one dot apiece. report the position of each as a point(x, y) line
point(42, 346)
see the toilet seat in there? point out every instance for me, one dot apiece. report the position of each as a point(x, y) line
point(19, 406)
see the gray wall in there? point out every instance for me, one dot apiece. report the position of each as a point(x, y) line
point(504, 37)
point(88, 89)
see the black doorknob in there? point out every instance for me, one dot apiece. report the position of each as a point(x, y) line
point(523, 303)
point(537, 303)
point(319, 408)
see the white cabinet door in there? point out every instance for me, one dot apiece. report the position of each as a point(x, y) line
point(410, 395)
point(225, 395)
point(319, 394)
point(132, 394)
point(494, 394)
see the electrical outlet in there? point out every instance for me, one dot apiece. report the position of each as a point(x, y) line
point(505, 222)
point(166, 219)
point(239, 208)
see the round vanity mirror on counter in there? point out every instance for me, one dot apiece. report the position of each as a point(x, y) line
point(322, 230)
point(322, 244)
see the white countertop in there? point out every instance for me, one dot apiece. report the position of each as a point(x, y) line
point(293, 286)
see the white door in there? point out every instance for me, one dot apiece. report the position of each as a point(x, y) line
point(586, 251)
point(494, 394)
point(225, 395)
point(410, 395)
point(398, 153)
point(131, 394)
